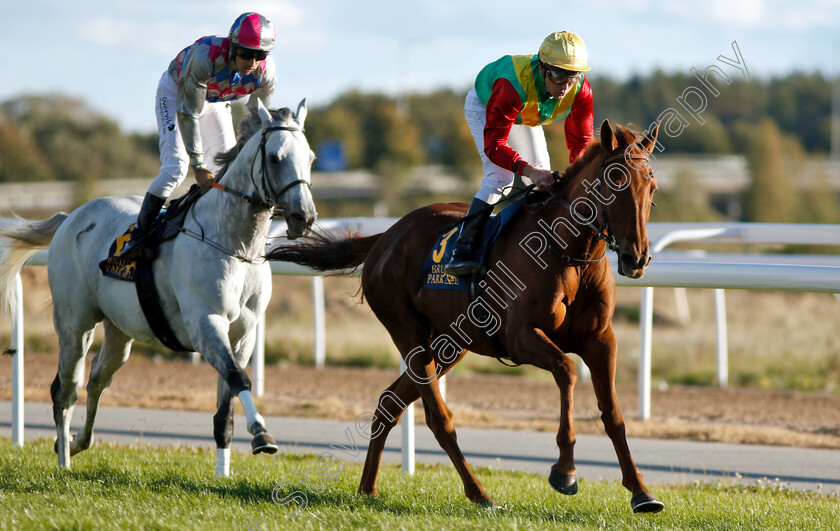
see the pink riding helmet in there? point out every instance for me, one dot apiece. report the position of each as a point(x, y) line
point(252, 31)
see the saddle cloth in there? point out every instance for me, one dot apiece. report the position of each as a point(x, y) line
point(165, 227)
point(436, 260)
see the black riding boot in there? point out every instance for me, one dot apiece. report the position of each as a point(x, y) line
point(463, 257)
point(135, 248)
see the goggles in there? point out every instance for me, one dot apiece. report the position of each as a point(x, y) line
point(249, 54)
point(561, 76)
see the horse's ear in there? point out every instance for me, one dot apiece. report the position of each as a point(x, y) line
point(608, 139)
point(650, 138)
point(300, 115)
point(265, 114)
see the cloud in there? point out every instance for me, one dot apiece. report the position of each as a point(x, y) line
point(758, 14)
point(281, 14)
point(122, 33)
point(139, 29)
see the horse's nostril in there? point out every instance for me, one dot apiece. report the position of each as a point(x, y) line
point(635, 262)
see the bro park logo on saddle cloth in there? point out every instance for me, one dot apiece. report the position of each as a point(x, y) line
point(435, 263)
point(435, 278)
point(115, 266)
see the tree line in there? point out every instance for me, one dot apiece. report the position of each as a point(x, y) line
point(54, 137)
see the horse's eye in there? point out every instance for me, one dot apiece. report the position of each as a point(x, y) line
point(274, 159)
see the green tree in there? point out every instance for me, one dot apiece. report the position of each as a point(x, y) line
point(710, 137)
point(79, 144)
point(20, 159)
point(459, 149)
point(337, 123)
point(771, 196)
point(398, 148)
point(819, 203)
point(801, 105)
point(686, 201)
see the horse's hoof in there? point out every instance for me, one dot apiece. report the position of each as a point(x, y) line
point(645, 502)
point(76, 446)
point(263, 443)
point(563, 483)
point(488, 504)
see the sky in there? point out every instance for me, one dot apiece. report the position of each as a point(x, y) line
point(112, 54)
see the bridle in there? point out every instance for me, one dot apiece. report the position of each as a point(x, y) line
point(599, 226)
point(266, 188)
point(602, 228)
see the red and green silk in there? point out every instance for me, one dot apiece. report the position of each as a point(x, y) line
point(513, 91)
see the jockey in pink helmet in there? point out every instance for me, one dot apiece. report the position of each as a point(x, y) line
point(193, 109)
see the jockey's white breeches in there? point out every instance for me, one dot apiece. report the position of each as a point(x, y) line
point(217, 135)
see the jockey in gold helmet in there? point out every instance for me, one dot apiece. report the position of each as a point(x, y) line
point(505, 110)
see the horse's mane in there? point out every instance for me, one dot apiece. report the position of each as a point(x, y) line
point(249, 125)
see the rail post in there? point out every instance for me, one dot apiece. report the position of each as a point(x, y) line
point(17, 365)
point(407, 433)
point(320, 325)
point(722, 348)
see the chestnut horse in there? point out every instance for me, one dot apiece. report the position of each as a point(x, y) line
point(548, 292)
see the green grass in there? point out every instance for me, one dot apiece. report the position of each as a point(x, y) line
point(122, 487)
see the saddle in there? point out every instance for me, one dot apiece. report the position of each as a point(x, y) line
point(436, 261)
point(165, 227)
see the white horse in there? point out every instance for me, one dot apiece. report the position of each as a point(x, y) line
point(212, 280)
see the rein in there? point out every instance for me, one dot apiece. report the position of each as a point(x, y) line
point(257, 202)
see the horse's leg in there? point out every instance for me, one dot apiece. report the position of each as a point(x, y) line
point(223, 427)
point(533, 347)
point(214, 345)
point(392, 403)
point(599, 354)
point(71, 364)
point(421, 368)
point(115, 350)
point(389, 409)
point(223, 419)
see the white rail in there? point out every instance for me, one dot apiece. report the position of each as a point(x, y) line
point(663, 234)
point(674, 269)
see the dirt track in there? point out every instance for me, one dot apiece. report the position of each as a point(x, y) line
point(705, 414)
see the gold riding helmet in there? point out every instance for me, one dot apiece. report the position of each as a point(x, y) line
point(564, 50)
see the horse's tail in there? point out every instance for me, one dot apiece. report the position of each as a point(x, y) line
point(19, 240)
point(326, 252)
